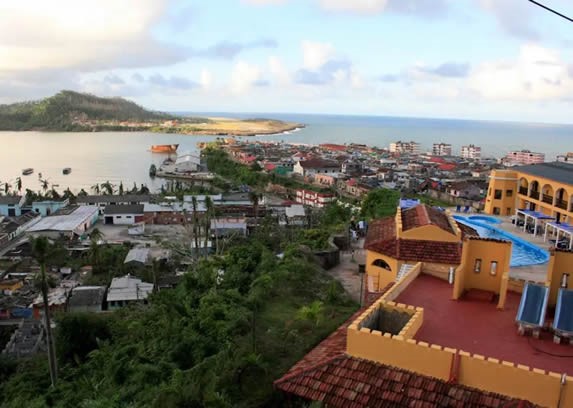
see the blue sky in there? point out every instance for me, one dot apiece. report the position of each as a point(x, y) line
point(480, 59)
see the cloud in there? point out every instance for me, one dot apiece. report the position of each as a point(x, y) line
point(278, 71)
point(328, 72)
point(389, 78)
point(536, 74)
point(113, 79)
point(263, 2)
point(448, 70)
point(513, 16)
point(245, 76)
point(230, 49)
point(206, 79)
point(172, 82)
point(316, 54)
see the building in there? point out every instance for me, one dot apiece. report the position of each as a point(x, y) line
point(88, 299)
point(313, 198)
point(187, 163)
point(48, 207)
point(138, 256)
point(566, 158)
point(545, 187)
point(13, 227)
point(311, 167)
point(126, 290)
point(523, 157)
point(11, 206)
point(405, 147)
point(471, 152)
point(126, 214)
point(442, 149)
point(68, 222)
point(229, 226)
point(101, 201)
point(439, 326)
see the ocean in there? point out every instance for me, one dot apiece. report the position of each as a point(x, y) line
point(125, 156)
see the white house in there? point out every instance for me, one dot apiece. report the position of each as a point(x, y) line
point(11, 206)
point(127, 289)
point(312, 167)
point(68, 222)
point(128, 214)
point(187, 163)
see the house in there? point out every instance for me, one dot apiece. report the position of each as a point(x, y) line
point(68, 222)
point(101, 201)
point(225, 226)
point(294, 215)
point(9, 286)
point(48, 207)
point(311, 167)
point(464, 189)
point(187, 163)
point(126, 214)
point(325, 179)
point(313, 198)
point(127, 289)
point(137, 256)
point(57, 300)
point(13, 227)
point(87, 299)
point(11, 206)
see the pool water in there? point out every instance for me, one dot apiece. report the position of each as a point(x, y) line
point(484, 218)
point(522, 252)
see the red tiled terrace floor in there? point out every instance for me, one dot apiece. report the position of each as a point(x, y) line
point(479, 327)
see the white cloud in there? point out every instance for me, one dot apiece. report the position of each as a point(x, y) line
point(278, 71)
point(355, 6)
point(39, 34)
point(263, 2)
point(206, 80)
point(316, 54)
point(536, 74)
point(244, 76)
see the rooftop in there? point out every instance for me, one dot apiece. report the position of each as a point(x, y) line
point(421, 215)
point(67, 222)
point(128, 288)
point(316, 163)
point(10, 200)
point(477, 326)
point(557, 171)
point(124, 209)
point(87, 296)
point(126, 198)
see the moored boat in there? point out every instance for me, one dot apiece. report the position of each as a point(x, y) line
point(28, 171)
point(67, 170)
point(172, 148)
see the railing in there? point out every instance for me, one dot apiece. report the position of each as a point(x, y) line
point(561, 204)
point(546, 198)
point(534, 194)
point(523, 190)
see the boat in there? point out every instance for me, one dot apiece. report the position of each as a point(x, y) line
point(172, 148)
point(152, 170)
point(28, 171)
point(67, 170)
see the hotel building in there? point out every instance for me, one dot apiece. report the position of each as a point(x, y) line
point(405, 147)
point(441, 149)
point(546, 187)
point(471, 152)
point(523, 157)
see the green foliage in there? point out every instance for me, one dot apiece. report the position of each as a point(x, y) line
point(380, 203)
point(78, 334)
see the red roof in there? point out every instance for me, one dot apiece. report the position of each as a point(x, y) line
point(319, 164)
point(447, 166)
point(422, 215)
point(332, 146)
point(270, 166)
point(437, 159)
point(328, 374)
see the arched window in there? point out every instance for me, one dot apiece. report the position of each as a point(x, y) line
point(381, 264)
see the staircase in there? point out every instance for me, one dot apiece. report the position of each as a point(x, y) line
point(404, 269)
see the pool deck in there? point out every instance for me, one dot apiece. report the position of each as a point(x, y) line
point(477, 326)
point(535, 273)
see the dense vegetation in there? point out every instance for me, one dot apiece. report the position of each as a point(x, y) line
point(234, 324)
point(67, 110)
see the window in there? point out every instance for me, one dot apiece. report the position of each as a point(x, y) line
point(118, 216)
point(497, 195)
point(493, 268)
point(496, 211)
point(477, 266)
point(128, 216)
point(508, 211)
point(508, 193)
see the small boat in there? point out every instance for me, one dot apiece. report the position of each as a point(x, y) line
point(172, 148)
point(152, 170)
point(67, 170)
point(28, 171)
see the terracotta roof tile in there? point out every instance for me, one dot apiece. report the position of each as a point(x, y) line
point(422, 215)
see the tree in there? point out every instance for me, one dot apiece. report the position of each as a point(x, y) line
point(380, 203)
point(19, 184)
point(82, 193)
point(120, 192)
point(41, 252)
point(255, 197)
point(7, 187)
point(107, 188)
point(312, 312)
point(195, 225)
point(95, 188)
point(209, 213)
point(45, 183)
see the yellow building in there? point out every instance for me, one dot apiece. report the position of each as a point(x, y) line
point(545, 187)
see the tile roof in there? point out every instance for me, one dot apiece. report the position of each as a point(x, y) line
point(422, 215)
point(329, 375)
point(10, 200)
point(118, 209)
point(557, 171)
point(381, 238)
point(316, 163)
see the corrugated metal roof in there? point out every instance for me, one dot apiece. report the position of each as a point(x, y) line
point(557, 171)
point(68, 222)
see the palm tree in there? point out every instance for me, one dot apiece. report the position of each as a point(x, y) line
point(107, 187)
point(195, 225)
point(19, 184)
point(255, 197)
point(68, 194)
point(82, 193)
point(7, 188)
point(120, 191)
point(41, 252)
point(45, 185)
point(95, 188)
point(208, 215)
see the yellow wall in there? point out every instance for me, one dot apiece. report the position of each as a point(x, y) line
point(403, 283)
point(440, 271)
point(502, 180)
point(11, 285)
point(559, 263)
point(380, 275)
point(430, 233)
point(488, 251)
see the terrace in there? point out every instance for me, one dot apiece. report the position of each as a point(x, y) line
point(477, 326)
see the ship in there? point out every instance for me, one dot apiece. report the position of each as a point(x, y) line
point(172, 148)
point(28, 171)
point(67, 170)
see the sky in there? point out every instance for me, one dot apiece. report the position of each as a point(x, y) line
point(468, 59)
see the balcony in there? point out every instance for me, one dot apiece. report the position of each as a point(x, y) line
point(523, 190)
point(546, 198)
point(561, 204)
point(534, 195)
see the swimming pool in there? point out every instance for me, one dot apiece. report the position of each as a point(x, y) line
point(484, 218)
point(522, 252)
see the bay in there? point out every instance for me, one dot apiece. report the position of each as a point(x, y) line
point(125, 156)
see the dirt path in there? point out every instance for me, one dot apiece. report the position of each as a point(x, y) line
point(347, 271)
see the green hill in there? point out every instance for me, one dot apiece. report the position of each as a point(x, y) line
point(74, 111)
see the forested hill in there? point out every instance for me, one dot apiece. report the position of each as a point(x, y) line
point(68, 110)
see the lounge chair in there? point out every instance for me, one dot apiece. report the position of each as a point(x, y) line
point(458, 208)
point(467, 209)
